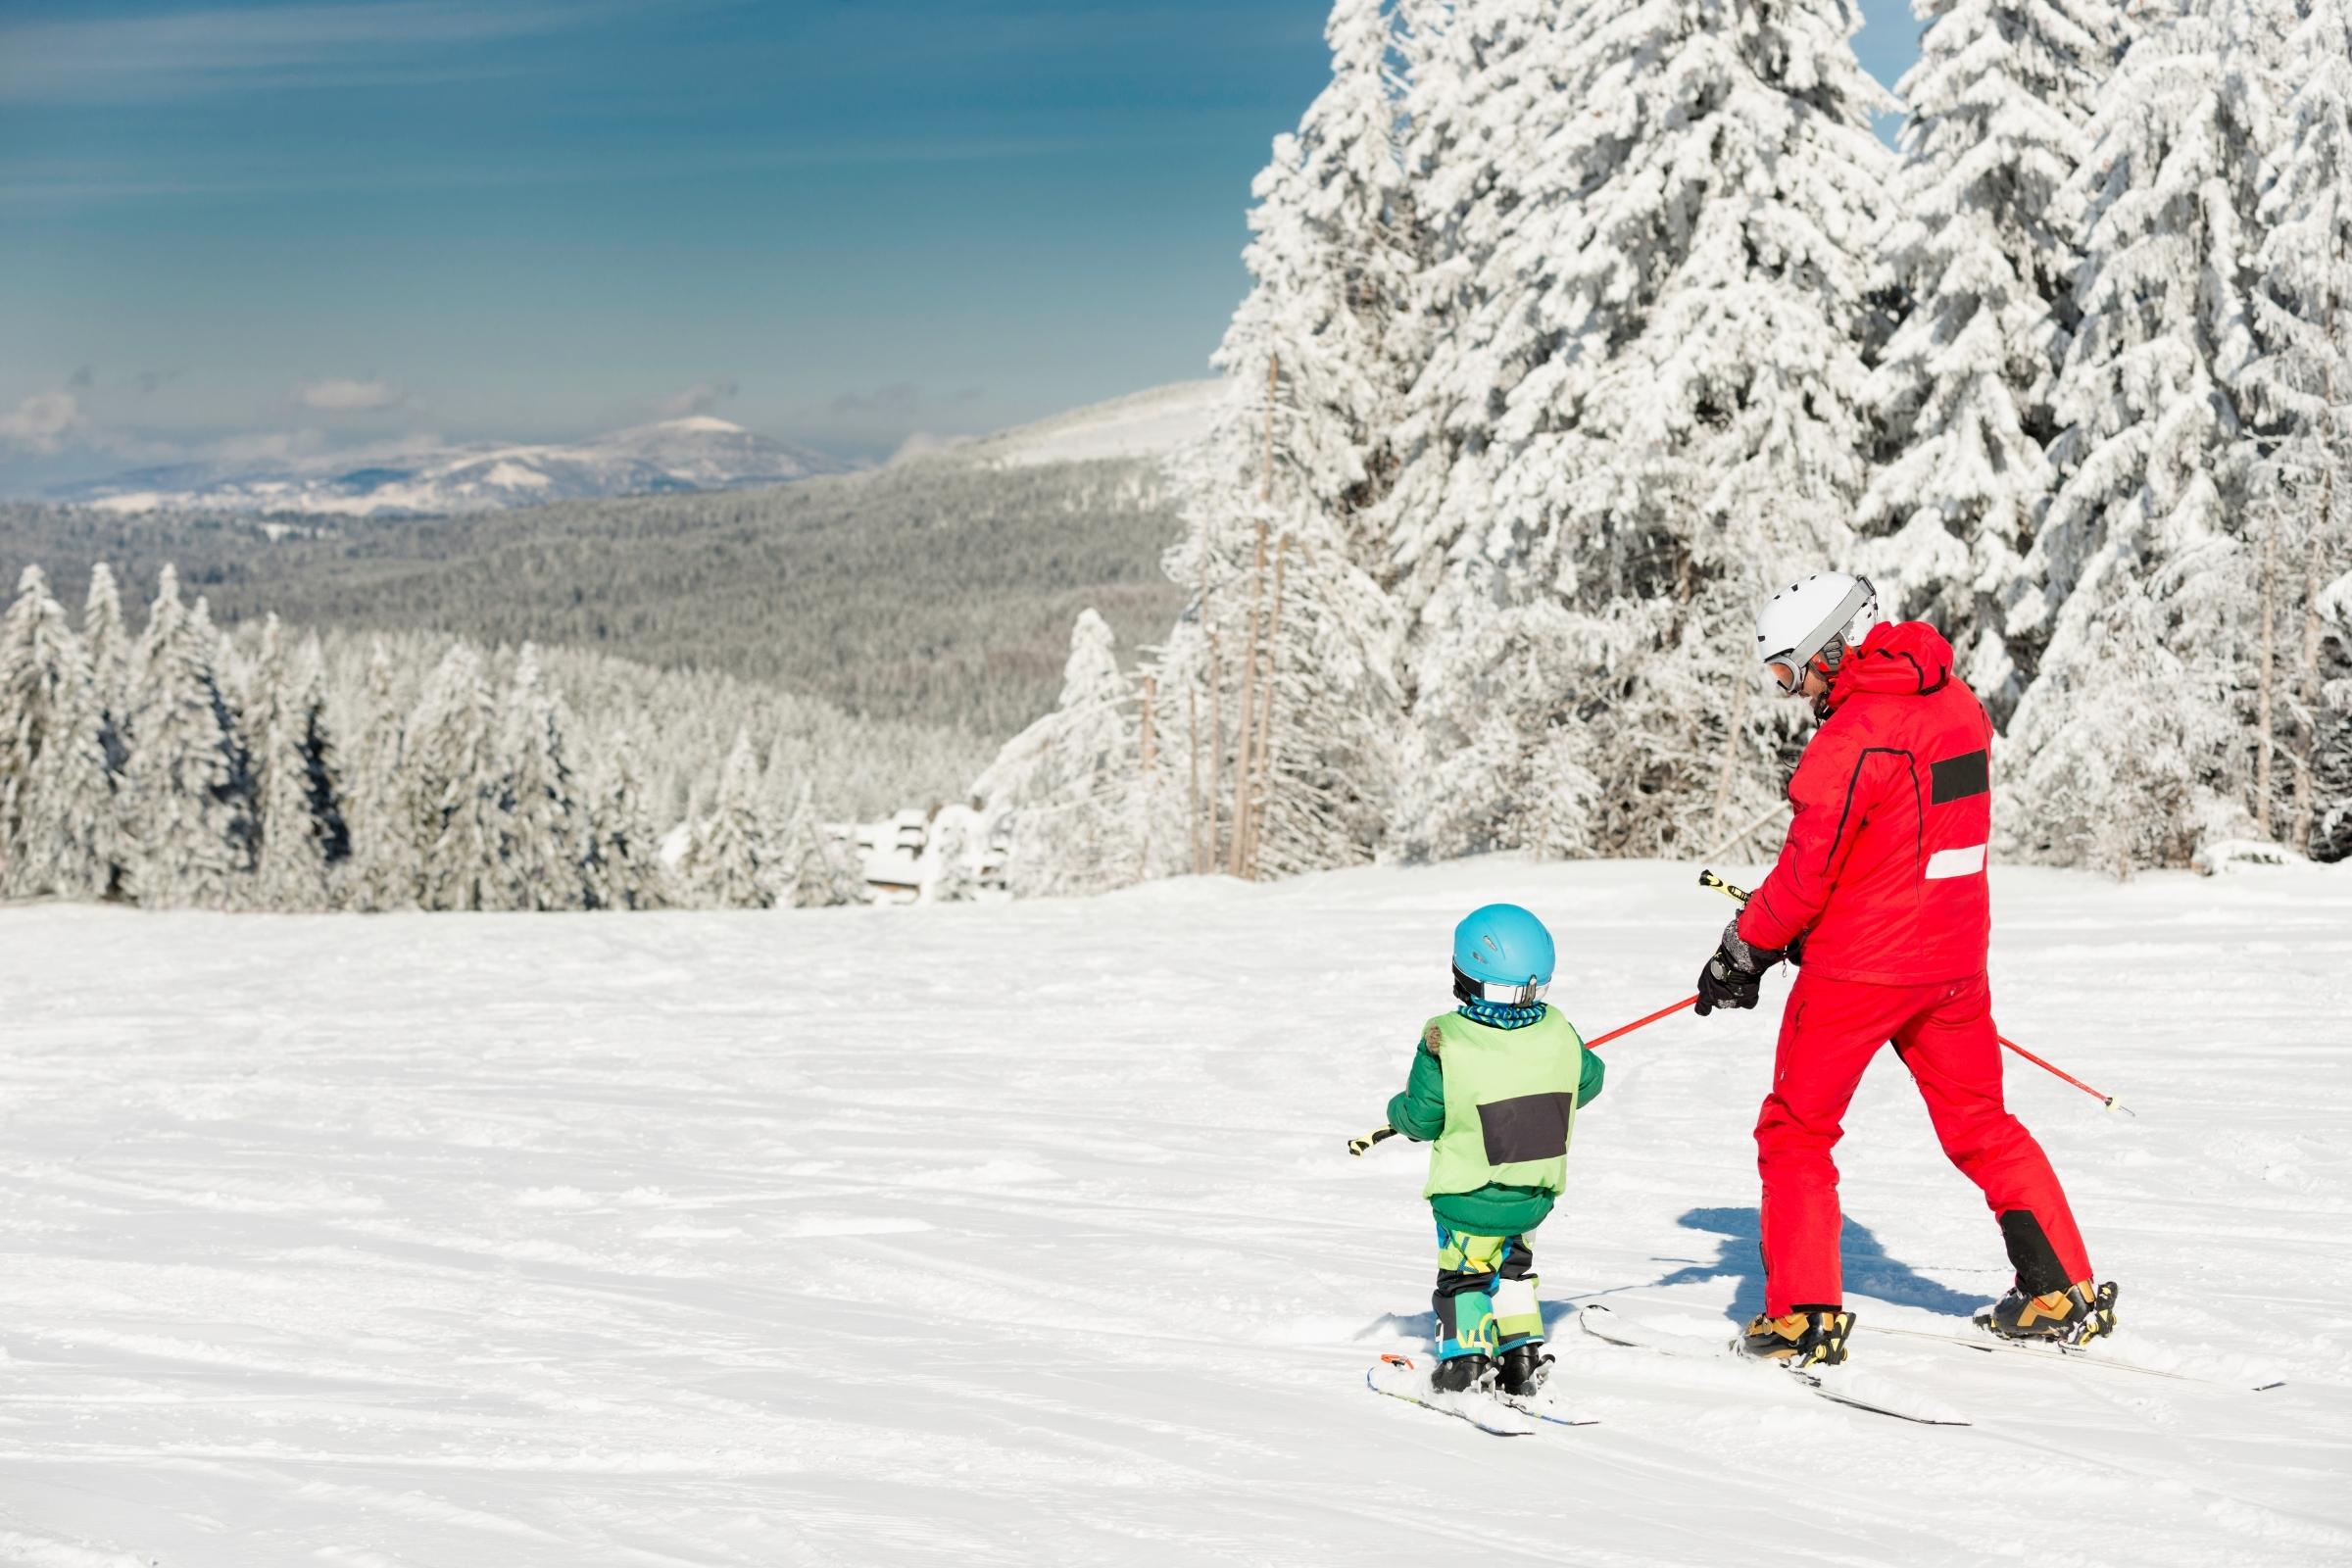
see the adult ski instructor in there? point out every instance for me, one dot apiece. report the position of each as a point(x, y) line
point(1880, 896)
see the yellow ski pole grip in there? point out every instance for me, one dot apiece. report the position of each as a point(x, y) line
point(1356, 1145)
point(1714, 883)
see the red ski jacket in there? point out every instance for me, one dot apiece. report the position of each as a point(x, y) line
point(1884, 860)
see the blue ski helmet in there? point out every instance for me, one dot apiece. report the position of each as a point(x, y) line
point(1501, 953)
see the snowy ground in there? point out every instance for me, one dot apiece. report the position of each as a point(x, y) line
point(1142, 424)
point(1027, 1236)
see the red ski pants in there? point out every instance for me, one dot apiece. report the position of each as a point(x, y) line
point(1944, 1035)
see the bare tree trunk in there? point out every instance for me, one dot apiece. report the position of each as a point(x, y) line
point(1265, 482)
point(2307, 668)
point(1731, 753)
point(2264, 742)
point(1216, 740)
point(1265, 737)
point(1147, 761)
point(1241, 766)
point(1191, 815)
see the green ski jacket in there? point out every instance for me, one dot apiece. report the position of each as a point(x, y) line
point(1501, 1141)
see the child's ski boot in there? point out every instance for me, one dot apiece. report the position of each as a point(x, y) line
point(1806, 1337)
point(1459, 1373)
point(2076, 1315)
point(1522, 1370)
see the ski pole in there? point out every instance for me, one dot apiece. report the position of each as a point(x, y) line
point(1708, 879)
point(1356, 1145)
point(2108, 1100)
point(1639, 1024)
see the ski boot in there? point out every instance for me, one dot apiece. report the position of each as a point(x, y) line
point(1810, 1336)
point(1522, 1370)
point(2076, 1315)
point(1461, 1373)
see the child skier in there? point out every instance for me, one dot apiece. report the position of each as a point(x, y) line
point(1493, 1090)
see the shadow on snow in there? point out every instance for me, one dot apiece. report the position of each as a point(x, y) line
point(1868, 1271)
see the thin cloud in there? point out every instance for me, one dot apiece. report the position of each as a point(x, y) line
point(268, 447)
point(133, 59)
point(90, 185)
point(699, 398)
point(899, 398)
point(42, 421)
point(347, 396)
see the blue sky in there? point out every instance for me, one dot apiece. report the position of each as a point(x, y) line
point(843, 222)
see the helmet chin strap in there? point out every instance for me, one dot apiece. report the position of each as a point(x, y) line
point(1826, 663)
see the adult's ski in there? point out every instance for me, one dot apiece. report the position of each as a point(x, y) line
point(1854, 1386)
point(2072, 1355)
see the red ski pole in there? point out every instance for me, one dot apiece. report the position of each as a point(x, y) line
point(1640, 1023)
point(1708, 879)
point(2108, 1100)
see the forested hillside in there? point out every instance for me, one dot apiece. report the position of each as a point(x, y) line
point(938, 591)
point(161, 761)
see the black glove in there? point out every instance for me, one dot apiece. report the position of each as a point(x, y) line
point(1794, 951)
point(1733, 976)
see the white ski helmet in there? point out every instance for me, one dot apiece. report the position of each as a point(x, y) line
point(1826, 611)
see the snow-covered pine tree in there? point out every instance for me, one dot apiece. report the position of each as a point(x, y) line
point(951, 868)
point(1989, 207)
point(544, 837)
point(106, 639)
point(624, 869)
point(1068, 783)
point(733, 864)
point(1485, 98)
point(1317, 358)
point(451, 787)
point(2133, 726)
point(1325, 329)
point(1662, 410)
point(304, 835)
point(384, 868)
point(190, 774)
point(2297, 391)
point(56, 801)
point(816, 871)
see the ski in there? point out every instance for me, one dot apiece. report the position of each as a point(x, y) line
point(2072, 1355)
point(1399, 1378)
point(1853, 1387)
point(1544, 1408)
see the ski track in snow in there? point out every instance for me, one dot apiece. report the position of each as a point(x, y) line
point(1026, 1233)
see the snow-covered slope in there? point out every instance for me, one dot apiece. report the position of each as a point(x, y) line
point(696, 453)
point(1143, 424)
point(1025, 1235)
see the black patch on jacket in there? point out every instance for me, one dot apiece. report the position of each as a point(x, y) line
point(1527, 1127)
point(1956, 778)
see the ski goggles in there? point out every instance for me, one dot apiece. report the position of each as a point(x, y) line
point(1524, 994)
point(1797, 660)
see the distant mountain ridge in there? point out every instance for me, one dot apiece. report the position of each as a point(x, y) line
point(691, 453)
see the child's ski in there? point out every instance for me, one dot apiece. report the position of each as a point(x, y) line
point(2076, 1354)
point(1400, 1379)
point(1543, 1408)
point(1843, 1384)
